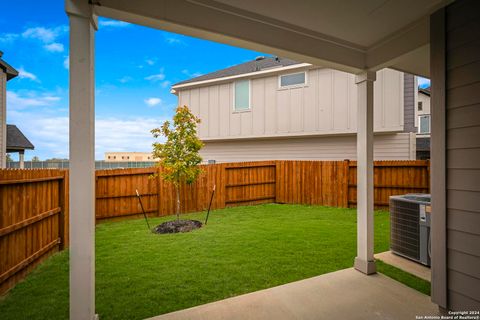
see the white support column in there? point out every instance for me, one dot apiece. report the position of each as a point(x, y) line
point(82, 159)
point(3, 119)
point(21, 159)
point(364, 261)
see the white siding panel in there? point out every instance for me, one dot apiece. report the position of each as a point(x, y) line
point(296, 109)
point(258, 106)
point(283, 111)
point(204, 110)
point(325, 105)
point(340, 107)
point(310, 103)
point(325, 99)
point(213, 111)
point(224, 110)
point(270, 105)
point(386, 147)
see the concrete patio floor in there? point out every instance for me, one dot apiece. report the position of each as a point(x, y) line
point(344, 294)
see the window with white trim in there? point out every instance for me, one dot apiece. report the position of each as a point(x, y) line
point(424, 124)
point(292, 80)
point(241, 99)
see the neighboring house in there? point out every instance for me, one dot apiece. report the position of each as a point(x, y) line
point(423, 123)
point(252, 111)
point(7, 72)
point(17, 142)
point(128, 156)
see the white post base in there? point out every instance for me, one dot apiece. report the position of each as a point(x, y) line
point(367, 267)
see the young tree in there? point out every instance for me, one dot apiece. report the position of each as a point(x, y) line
point(179, 155)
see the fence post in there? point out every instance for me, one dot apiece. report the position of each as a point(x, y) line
point(346, 181)
point(159, 199)
point(61, 216)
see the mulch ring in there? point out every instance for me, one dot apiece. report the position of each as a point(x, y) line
point(177, 226)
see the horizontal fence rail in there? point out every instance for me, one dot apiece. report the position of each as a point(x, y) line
point(33, 220)
point(34, 203)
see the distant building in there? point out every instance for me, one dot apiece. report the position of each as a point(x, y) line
point(7, 72)
point(423, 124)
point(17, 142)
point(252, 111)
point(128, 156)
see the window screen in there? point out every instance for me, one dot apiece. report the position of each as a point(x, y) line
point(420, 106)
point(242, 95)
point(424, 124)
point(294, 79)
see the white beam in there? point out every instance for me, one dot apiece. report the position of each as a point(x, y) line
point(21, 159)
point(397, 48)
point(222, 23)
point(364, 261)
point(82, 160)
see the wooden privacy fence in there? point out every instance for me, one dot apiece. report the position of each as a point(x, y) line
point(33, 220)
point(329, 183)
point(34, 206)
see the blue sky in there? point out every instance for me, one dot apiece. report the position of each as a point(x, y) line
point(135, 67)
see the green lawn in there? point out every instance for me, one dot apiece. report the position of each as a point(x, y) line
point(243, 249)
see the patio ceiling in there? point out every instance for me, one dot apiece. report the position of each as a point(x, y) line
point(349, 35)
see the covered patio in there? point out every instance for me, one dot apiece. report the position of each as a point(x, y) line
point(344, 294)
point(359, 37)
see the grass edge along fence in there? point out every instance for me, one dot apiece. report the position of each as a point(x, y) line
point(34, 203)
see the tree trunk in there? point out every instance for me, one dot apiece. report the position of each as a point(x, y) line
point(177, 190)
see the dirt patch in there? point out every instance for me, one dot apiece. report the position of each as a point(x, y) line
point(177, 226)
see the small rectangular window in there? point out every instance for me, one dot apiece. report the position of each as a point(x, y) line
point(294, 79)
point(424, 124)
point(420, 106)
point(241, 95)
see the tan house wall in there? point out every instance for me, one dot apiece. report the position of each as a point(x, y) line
point(463, 154)
point(325, 105)
point(397, 146)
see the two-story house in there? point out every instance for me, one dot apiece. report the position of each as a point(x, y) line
point(423, 124)
point(251, 111)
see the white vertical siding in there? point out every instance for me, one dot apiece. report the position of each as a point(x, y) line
point(326, 104)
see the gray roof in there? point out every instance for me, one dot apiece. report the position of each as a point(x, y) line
point(244, 68)
point(16, 140)
point(424, 91)
point(8, 69)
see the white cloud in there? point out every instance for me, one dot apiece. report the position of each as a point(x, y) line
point(125, 79)
point(156, 77)
point(24, 74)
point(16, 101)
point(45, 35)
point(165, 84)
point(49, 133)
point(54, 47)
point(8, 37)
point(112, 23)
point(175, 40)
point(150, 62)
point(151, 102)
point(66, 62)
point(190, 74)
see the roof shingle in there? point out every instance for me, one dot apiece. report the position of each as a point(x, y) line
point(244, 68)
point(16, 140)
